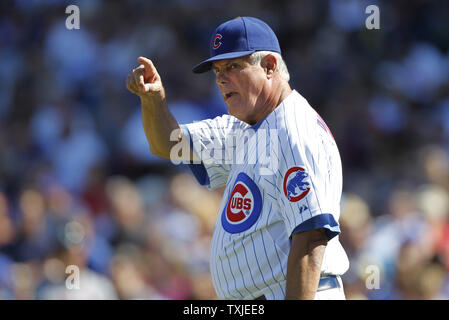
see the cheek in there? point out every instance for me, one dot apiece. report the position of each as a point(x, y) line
point(249, 87)
point(252, 90)
point(256, 80)
point(244, 86)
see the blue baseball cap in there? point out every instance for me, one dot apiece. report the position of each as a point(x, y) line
point(237, 38)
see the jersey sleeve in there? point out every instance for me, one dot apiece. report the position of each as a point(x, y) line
point(309, 179)
point(210, 143)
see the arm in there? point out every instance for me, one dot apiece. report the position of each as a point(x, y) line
point(304, 264)
point(158, 122)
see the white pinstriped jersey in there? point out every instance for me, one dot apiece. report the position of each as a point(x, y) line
point(265, 201)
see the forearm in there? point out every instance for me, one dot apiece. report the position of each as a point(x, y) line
point(304, 268)
point(303, 276)
point(158, 123)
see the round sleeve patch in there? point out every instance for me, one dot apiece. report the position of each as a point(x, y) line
point(295, 185)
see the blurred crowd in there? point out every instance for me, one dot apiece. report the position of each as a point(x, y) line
point(80, 187)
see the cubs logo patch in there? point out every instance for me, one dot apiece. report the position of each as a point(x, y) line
point(243, 207)
point(295, 185)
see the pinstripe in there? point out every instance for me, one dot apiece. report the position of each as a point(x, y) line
point(217, 234)
point(247, 263)
point(219, 286)
point(258, 265)
point(273, 197)
point(227, 124)
point(313, 184)
point(216, 271)
point(226, 280)
point(271, 183)
point(294, 161)
point(220, 244)
point(314, 171)
point(228, 128)
point(230, 269)
point(240, 270)
point(222, 273)
point(225, 275)
point(285, 160)
point(273, 153)
point(266, 255)
point(274, 243)
point(260, 231)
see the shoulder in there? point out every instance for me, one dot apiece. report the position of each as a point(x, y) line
point(295, 113)
point(222, 122)
point(227, 121)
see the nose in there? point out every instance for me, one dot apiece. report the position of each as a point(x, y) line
point(220, 78)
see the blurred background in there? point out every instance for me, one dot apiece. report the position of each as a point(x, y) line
point(79, 186)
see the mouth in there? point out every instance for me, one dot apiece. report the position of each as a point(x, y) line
point(229, 95)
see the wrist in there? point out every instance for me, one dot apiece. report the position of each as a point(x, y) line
point(153, 99)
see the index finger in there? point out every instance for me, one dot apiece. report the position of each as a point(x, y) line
point(148, 64)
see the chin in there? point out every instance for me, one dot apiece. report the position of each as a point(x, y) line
point(234, 111)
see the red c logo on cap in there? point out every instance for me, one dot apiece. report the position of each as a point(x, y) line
point(215, 45)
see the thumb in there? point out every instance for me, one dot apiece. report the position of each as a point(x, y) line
point(149, 87)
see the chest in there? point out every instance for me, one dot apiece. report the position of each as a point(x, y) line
point(249, 198)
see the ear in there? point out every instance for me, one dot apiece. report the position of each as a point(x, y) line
point(269, 63)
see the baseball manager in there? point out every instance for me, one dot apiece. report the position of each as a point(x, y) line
point(276, 235)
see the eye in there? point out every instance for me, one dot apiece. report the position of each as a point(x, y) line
point(233, 66)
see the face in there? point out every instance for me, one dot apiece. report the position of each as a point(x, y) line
point(242, 87)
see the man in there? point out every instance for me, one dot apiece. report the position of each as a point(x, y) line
point(277, 233)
